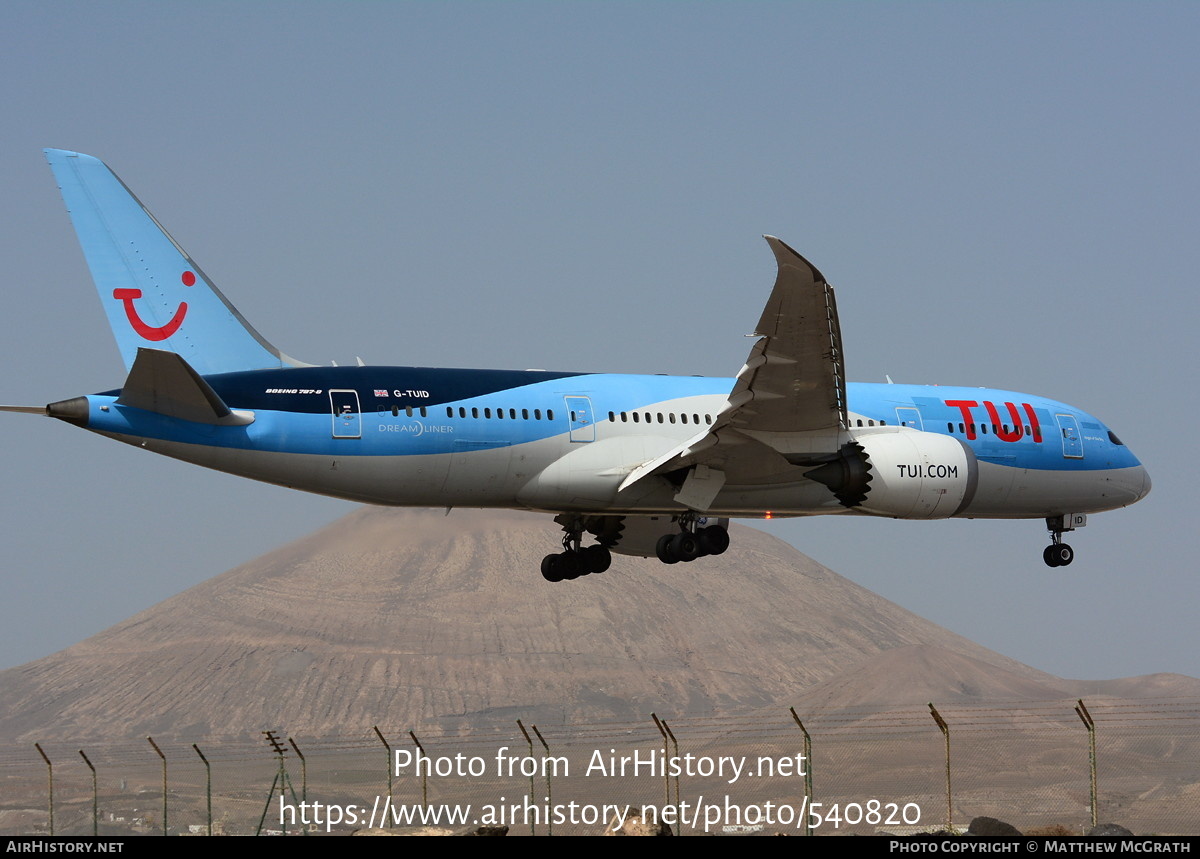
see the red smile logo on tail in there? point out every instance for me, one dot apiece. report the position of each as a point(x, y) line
point(149, 332)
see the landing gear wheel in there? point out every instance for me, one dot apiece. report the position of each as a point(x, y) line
point(1058, 555)
point(572, 566)
point(665, 549)
point(713, 540)
point(596, 559)
point(552, 568)
point(685, 546)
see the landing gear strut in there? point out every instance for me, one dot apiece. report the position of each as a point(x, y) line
point(575, 560)
point(1058, 553)
point(691, 542)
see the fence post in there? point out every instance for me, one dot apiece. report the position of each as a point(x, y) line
point(424, 771)
point(207, 784)
point(387, 746)
point(945, 729)
point(675, 745)
point(1082, 712)
point(164, 768)
point(808, 782)
point(529, 741)
point(303, 778)
point(546, 754)
point(668, 737)
point(95, 796)
point(50, 767)
point(666, 750)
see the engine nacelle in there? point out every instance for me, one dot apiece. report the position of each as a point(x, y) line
point(907, 474)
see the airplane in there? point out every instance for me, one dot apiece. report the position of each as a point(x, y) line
point(647, 465)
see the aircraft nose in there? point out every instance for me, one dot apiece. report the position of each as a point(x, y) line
point(1136, 484)
point(1145, 490)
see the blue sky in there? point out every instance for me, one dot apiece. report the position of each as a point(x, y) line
point(1003, 194)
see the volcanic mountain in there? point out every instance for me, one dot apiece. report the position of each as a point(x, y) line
point(412, 617)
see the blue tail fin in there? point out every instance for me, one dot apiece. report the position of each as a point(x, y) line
point(154, 294)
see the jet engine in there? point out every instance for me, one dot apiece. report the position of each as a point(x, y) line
point(907, 474)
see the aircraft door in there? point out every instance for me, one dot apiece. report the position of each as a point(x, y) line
point(347, 419)
point(1072, 441)
point(579, 415)
point(909, 417)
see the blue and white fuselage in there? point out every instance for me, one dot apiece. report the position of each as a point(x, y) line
point(486, 438)
point(650, 465)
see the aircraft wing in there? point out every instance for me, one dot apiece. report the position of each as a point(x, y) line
point(793, 380)
point(788, 404)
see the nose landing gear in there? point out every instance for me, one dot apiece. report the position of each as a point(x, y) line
point(1058, 553)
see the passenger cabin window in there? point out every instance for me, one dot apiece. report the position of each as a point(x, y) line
point(549, 414)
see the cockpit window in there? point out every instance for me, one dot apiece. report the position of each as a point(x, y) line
point(1112, 436)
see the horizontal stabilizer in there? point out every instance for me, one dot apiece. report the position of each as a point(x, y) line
point(164, 383)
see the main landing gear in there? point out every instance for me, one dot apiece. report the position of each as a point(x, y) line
point(691, 542)
point(694, 539)
point(576, 560)
point(1058, 553)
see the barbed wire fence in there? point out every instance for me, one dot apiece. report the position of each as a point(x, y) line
point(1043, 766)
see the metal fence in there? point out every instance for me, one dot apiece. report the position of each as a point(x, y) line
point(1043, 766)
